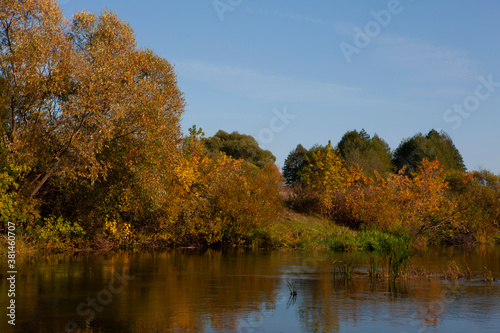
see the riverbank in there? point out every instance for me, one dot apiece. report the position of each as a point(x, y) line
point(290, 231)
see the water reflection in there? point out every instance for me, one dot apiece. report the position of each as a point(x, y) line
point(244, 291)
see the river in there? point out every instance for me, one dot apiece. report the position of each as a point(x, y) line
point(187, 290)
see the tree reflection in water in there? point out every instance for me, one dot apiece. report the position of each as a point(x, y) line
point(243, 291)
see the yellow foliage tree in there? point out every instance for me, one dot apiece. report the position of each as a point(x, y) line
point(93, 119)
point(221, 200)
point(84, 90)
point(321, 177)
point(331, 188)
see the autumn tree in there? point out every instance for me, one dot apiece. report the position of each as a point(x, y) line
point(412, 151)
point(477, 194)
point(239, 146)
point(82, 100)
point(418, 204)
point(221, 200)
point(370, 153)
point(328, 187)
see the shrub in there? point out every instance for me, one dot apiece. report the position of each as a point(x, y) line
point(57, 234)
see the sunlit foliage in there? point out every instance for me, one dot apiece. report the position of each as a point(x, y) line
point(222, 200)
point(477, 194)
point(92, 155)
point(330, 187)
point(80, 93)
point(418, 204)
point(430, 204)
point(92, 151)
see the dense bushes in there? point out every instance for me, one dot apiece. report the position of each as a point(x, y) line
point(222, 200)
point(430, 205)
point(477, 195)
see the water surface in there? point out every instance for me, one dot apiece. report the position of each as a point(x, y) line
point(246, 291)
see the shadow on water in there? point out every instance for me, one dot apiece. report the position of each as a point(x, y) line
point(189, 290)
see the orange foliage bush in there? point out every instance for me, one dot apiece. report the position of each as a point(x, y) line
point(477, 194)
point(222, 200)
point(416, 204)
point(419, 204)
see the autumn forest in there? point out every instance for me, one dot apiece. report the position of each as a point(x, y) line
point(93, 157)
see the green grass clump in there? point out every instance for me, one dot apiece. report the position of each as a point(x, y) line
point(297, 231)
point(344, 267)
point(308, 232)
point(376, 240)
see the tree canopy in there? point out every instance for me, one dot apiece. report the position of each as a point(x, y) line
point(91, 143)
point(293, 164)
point(91, 151)
point(76, 92)
point(370, 153)
point(239, 146)
point(412, 151)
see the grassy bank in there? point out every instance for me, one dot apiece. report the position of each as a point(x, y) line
point(290, 231)
point(311, 232)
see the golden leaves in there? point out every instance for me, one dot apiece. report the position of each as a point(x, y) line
point(84, 89)
point(414, 203)
point(220, 199)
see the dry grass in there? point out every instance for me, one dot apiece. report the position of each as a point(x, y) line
point(23, 247)
point(488, 275)
point(456, 271)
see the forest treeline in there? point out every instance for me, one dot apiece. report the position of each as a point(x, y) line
point(92, 155)
point(421, 189)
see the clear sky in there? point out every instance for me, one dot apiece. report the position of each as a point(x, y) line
point(307, 71)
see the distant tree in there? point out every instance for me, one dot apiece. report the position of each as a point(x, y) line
point(412, 151)
point(239, 146)
point(371, 154)
point(293, 164)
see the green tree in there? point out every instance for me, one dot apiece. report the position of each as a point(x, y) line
point(239, 146)
point(370, 153)
point(293, 164)
point(412, 151)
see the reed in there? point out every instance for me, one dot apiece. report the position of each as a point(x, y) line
point(398, 261)
point(488, 275)
point(344, 267)
point(373, 268)
point(456, 271)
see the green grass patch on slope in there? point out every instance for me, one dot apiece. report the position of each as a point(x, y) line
point(308, 232)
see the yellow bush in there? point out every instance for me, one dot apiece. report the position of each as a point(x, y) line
point(222, 200)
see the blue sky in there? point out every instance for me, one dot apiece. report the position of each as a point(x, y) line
point(307, 71)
